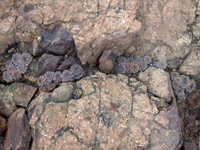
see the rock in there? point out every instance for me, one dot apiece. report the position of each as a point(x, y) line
point(90, 72)
point(191, 66)
point(51, 86)
point(35, 108)
point(196, 28)
point(22, 93)
point(57, 40)
point(8, 15)
point(18, 135)
point(48, 63)
point(7, 107)
point(164, 28)
point(3, 124)
point(93, 25)
point(158, 82)
point(104, 118)
point(188, 145)
point(107, 61)
point(16, 94)
point(63, 93)
point(67, 63)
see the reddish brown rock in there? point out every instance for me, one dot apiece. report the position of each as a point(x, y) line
point(18, 134)
point(93, 25)
point(106, 61)
point(22, 93)
point(190, 145)
point(104, 118)
point(7, 107)
point(67, 63)
point(35, 109)
point(8, 15)
point(48, 62)
point(3, 124)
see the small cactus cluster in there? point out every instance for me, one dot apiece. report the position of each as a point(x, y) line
point(182, 84)
point(132, 65)
point(16, 66)
point(74, 73)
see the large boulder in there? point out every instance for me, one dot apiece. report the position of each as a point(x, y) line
point(114, 112)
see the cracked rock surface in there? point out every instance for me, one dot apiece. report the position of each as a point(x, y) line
point(114, 112)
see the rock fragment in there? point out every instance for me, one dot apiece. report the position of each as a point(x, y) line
point(48, 62)
point(107, 61)
point(18, 134)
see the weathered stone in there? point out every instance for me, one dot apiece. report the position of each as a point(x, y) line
point(15, 94)
point(67, 63)
point(35, 108)
point(63, 93)
point(191, 65)
point(48, 63)
point(3, 124)
point(94, 26)
point(51, 86)
point(22, 93)
point(7, 107)
point(164, 30)
point(7, 28)
point(107, 61)
point(57, 40)
point(18, 134)
point(190, 145)
point(196, 28)
point(158, 82)
point(110, 115)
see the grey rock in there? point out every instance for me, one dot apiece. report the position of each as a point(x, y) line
point(48, 63)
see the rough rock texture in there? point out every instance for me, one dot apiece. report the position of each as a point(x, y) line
point(107, 61)
point(94, 25)
point(158, 82)
point(164, 32)
point(191, 65)
point(3, 124)
point(188, 145)
point(22, 93)
point(67, 63)
point(18, 134)
point(7, 28)
point(63, 93)
point(57, 40)
point(16, 94)
point(48, 62)
point(36, 108)
point(104, 118)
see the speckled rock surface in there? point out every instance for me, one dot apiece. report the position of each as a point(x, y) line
point(94, 25)
point(18, 134)
point(113, 113)
point(16, 94)
point(3, 124)
point(157, 82)
point(164, 32)
point(191, 65)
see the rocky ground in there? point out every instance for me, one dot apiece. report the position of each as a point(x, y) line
point(99, 74)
